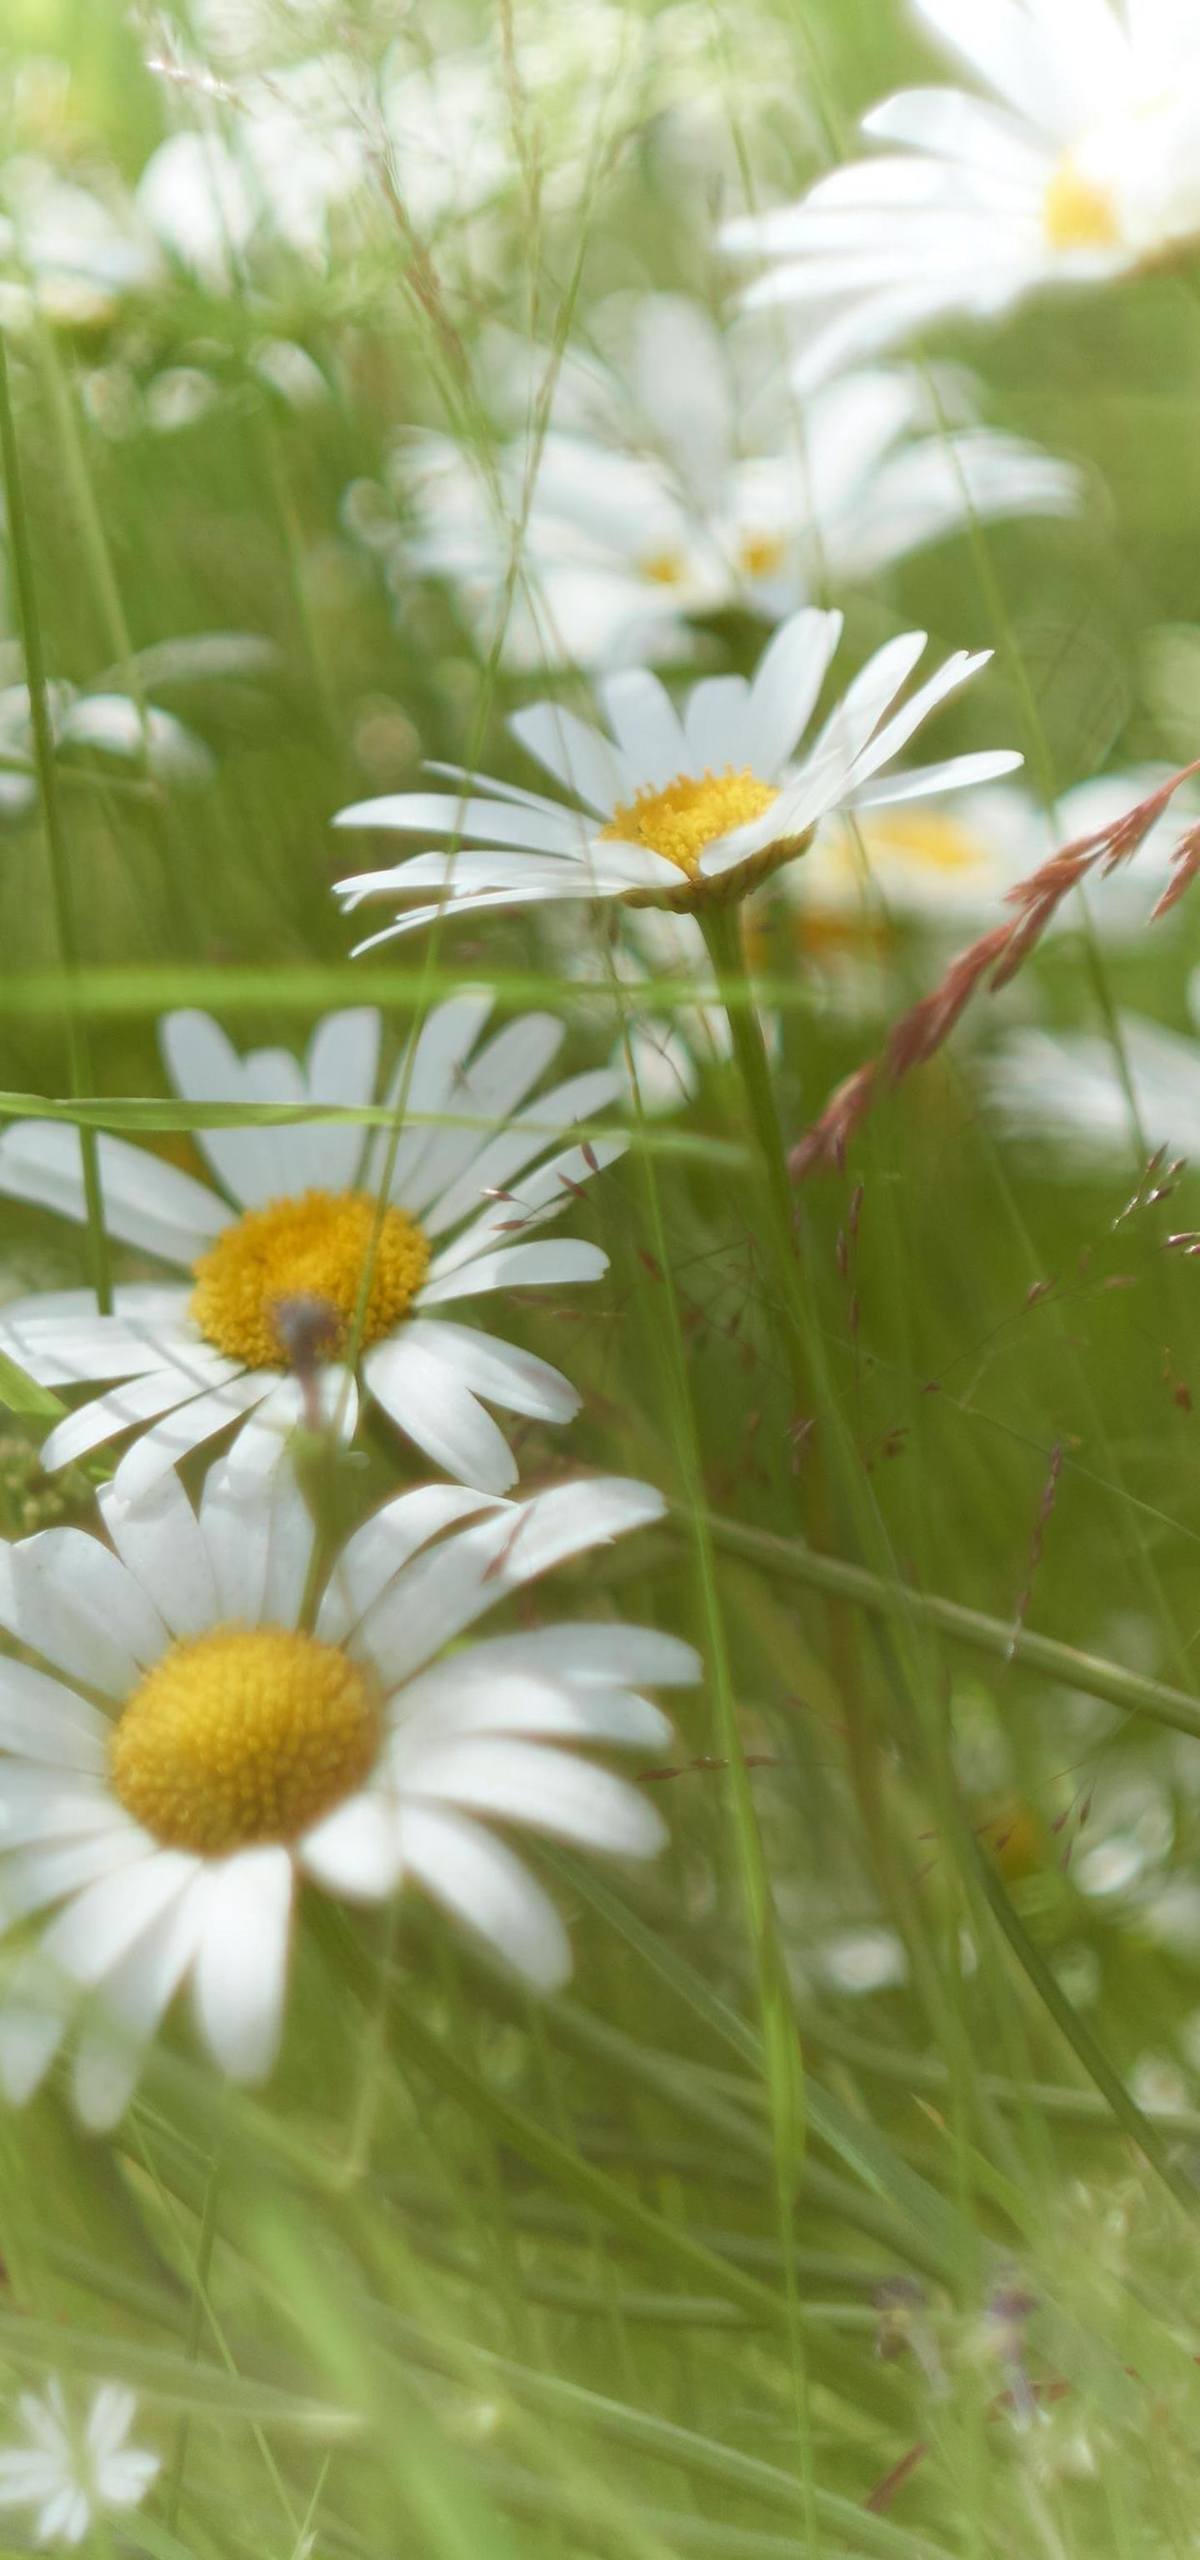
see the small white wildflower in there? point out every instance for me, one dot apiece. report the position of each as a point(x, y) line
point(71, 2468)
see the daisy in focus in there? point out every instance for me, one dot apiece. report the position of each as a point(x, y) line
point(677, 812)
point(1080, 161)
point(323, 1242)
point(75, 2471)
point(234, 1753)
point(680, 479)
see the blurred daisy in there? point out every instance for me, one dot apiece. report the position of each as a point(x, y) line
point(73, 2472)
point(235, 1753)
point(677, 813)
point(1080, 162)
point(295, 155)
point(278, 1258)
point(67, 251)
point(87, 727)
point(950, 870)
point(698, 489)
point(1069, 1089)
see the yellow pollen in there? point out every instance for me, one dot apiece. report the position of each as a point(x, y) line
point(690, 814)
point(310, 1250)
point(244, 1735)
point(663, 568)
point(1077, 214)
point(760, 554)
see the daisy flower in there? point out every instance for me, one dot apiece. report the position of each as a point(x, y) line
point(75, 2471)
point(676, 812)
point(234, 1752)
point(94, 724)
point(682, 480)
point(950, 870)
point(277, 1258)
point(1067, 1091)
point(1079, 162)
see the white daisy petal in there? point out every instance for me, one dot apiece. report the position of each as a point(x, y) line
point(204, 1067)
point(147, 1202)
point(549, 1790)
point(427, 1075)
point(119, 1409)
point(471, 1694)
point(918, 782)
point(440, 1593)
point(646, 727)
point(258, 1539)
point(241, 1964)
point(519, 1266)
point(485, 1092)
point(159, 1539)
point(477, 1878)
point(378, 1551)
point(137, 1992)
point(188, 1428)
point(609, 1656)
point(356, 1850)
point(497, 1371)
point(786, 686)
point(577, 755)
point(43, 1721)
point(342, 1067)
point(65, 1596)
point(416, 1384)
point(30, 2035)
point(71, 1347)
point(582, 1097)
point(105, 1919)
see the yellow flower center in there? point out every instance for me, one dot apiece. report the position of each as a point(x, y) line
point(244, 1735)
point(306, 1257)
point(927, 838)
point(760, 554)
point(690, 814)
point(663, 568)
point(1078, 214)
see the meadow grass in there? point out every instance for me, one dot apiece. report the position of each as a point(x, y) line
point(847, 2202)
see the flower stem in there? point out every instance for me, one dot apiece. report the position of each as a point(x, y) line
point(62, 897)
point(722, 929)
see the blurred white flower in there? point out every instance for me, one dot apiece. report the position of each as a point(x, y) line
point(679, 479)
point(1080, 161)
point(75, 2470)
point(1068, 1089)
point(293, 154)
point(109, 724)
point(951, 870)
point(73, 251)
point(678, 812)
point(859, 1961)
point(193, 1751)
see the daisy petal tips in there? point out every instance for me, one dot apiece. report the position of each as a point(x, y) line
point(675, 809)
point(260, 1332)
point(180, 1751)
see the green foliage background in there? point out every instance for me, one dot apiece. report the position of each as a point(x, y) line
point(469, 2280)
